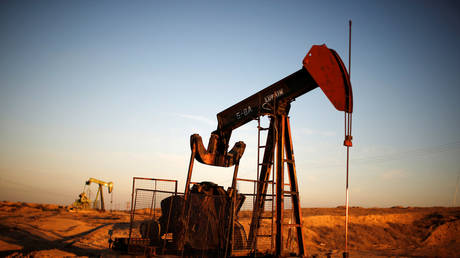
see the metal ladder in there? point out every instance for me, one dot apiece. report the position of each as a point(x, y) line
point(270, 198)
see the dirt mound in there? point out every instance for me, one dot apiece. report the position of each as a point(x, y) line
point(446, 234)
point(29, 207)
point(388, 232)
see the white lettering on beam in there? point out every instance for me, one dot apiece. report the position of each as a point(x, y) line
point(243, 113)
point(275, 95)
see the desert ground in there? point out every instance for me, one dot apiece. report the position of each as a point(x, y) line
point(46, 230)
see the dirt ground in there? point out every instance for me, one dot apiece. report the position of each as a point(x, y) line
point(45, 230)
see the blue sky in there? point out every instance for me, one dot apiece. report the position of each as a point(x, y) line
point(114, 89)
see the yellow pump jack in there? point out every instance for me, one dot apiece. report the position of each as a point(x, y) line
point(84, 201)
point(109, 186)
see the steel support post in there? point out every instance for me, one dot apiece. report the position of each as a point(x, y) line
point(102, 198)
point(233, 212)
point(131, 212)
point(280, 125)
point(294, 187)
point(189, 174)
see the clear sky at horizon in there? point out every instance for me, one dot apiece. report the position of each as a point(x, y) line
point(114, 89)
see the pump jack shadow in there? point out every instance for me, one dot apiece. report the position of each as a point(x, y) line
point(33, 242)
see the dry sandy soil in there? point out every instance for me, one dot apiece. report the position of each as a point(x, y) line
point(43, 230)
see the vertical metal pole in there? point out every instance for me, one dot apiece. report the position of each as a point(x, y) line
point(258, 153)
point(189, 174)
point(454, 202)
point(279, 185)
point(346, 208)
point(132, 213)
point(348, 132)
point(349, 50)
point(169, 216)
point(186, 194)
point(233, 213)
point(175, 187)
point(272, 224)
point(235, 175)
point(153, 199)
